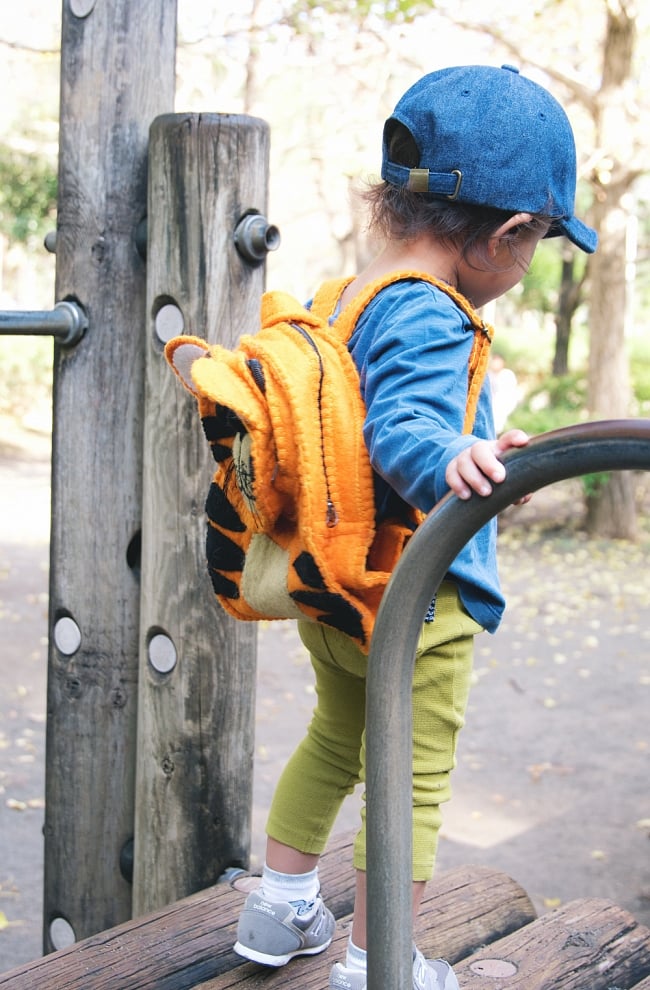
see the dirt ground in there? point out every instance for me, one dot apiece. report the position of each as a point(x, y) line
point(552, 778)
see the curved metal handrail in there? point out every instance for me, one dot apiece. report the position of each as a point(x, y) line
point(612, 445)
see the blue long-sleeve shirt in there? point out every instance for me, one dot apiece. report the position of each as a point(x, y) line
point(411, 346)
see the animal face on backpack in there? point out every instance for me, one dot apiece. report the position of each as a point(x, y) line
point(250, 538)
point(291, 515)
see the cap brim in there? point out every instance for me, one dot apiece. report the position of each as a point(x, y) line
point(578, 233)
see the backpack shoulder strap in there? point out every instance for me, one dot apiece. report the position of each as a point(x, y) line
point(327, 297)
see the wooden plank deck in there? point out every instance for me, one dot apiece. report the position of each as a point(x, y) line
point(479, 919)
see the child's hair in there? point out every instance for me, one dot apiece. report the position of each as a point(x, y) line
point(395, 212)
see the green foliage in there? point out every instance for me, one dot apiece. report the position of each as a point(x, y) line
point(640, 373)
point(529, 352)
point(555, 403)
point(28, 189)
point(592, 484)
point(550, 403)
point(541, 282)
point(25, 373)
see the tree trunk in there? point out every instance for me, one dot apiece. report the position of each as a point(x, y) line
point(610, 509)
point(568, 303)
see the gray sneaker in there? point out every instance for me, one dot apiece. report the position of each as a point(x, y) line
point(428, 974)
point(272, 933)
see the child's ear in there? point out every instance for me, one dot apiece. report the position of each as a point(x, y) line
point(508, 227)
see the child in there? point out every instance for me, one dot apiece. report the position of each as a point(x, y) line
point(478, 166)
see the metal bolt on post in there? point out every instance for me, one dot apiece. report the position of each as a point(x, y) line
point(255, 237)
point(67, 322)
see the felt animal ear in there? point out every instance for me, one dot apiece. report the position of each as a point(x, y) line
point(181, 353)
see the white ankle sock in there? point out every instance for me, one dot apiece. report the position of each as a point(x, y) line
point(293, 887)
point(356, 958)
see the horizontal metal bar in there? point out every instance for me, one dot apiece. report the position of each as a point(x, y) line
point(614, 445)
point(67, 322)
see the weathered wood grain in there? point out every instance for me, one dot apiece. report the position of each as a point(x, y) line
point(586, 943)
point(196, 722)
point(175, 947)
point(117, 74)
point(479, 919)
point(189, 944)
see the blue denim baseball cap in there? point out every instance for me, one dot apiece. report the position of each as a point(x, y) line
point(491, 137)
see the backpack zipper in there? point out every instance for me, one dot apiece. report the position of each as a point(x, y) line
point(331, 516)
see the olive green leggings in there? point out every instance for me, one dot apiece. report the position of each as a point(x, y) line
point(330, 760)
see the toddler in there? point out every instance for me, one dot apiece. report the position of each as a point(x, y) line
point(478, 166)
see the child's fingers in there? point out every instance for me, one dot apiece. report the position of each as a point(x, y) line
point(477, 466)
point(482, 456)
point(512, 438)
point(456, 482)
point(473, 469)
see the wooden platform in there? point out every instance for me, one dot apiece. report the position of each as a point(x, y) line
point(479, 919)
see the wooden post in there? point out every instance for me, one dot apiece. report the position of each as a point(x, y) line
point(117, 74)
point(198, 666)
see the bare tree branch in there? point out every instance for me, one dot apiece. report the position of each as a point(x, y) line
point(581, 93)
point(18, 46)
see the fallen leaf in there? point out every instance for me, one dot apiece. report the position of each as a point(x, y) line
point(537, 769)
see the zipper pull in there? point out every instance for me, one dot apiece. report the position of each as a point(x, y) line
point(332, 516)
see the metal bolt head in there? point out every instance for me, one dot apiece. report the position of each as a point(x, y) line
point(67, 635)
point(81, 8)
point(61, 933)
point(255, 237)
point(162, 653)
point(493, 968)
point(169, 322)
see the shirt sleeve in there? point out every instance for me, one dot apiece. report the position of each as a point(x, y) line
point(412, 346)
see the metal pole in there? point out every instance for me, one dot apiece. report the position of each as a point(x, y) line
point(67, 322)
point(617, 445)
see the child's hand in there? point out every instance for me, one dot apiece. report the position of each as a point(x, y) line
point(477, 466)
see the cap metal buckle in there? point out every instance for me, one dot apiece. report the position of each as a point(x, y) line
point(418, 180)
point(459, 179)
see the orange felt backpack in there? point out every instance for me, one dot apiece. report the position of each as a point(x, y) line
point(291, 513)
